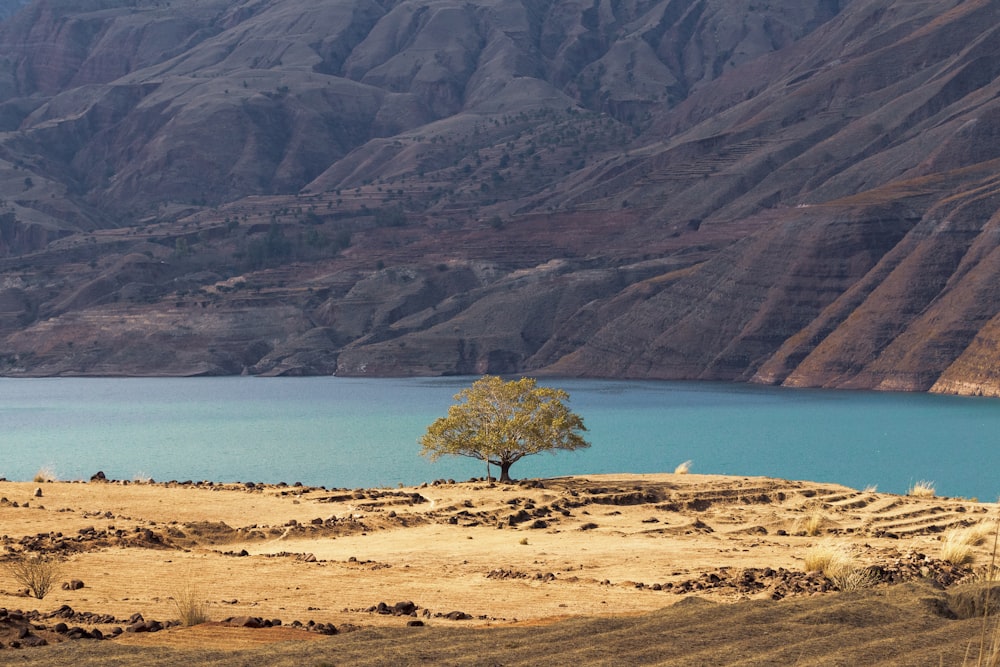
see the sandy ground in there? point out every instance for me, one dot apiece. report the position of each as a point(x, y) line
point(527, 553)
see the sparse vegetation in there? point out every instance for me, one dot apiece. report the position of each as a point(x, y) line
point(922, 489)
point(45, 474)
point(839, 567)
point(191, 608)
point(957, 545)
point(813, 524)
point(834, 562)
point(36, 573)
point(826, 558)
point(854, 579)
point(989, 639)
point(683, 468)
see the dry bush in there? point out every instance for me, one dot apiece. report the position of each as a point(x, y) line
point(44, 474)
point(922, 489)
point(871, 488)
point(36, 573)
point(190, 606)
point(683, 468)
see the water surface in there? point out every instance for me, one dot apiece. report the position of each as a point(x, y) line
point(345, 432)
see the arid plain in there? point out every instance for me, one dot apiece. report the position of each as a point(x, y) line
point(604, 569)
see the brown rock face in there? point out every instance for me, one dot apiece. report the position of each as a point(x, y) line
point(798, 193)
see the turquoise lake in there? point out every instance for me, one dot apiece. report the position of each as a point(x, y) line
point(345, 432)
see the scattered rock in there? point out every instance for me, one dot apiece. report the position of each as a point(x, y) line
point(404, 609)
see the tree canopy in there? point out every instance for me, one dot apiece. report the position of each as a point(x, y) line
point(500, 422)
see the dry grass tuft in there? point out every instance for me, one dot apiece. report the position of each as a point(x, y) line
point(190, 606)
point(871, 488)
point(957, 545)
point(814, 524)
point(36, 573)
point(839, 567)
point(855, 579)
point(45, 474)
point(988, 654)
point(922, 489)
point(829, 559)
point(683, 468)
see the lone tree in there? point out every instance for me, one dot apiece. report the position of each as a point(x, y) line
point(502, 422)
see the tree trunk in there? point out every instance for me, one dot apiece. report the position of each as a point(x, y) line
point(505, 471)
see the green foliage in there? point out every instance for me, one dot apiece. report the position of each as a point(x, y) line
point(181, 247)
point(390, 216)
point(271, 250)
point(502, 422)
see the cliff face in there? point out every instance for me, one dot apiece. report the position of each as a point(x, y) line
point(799, 193)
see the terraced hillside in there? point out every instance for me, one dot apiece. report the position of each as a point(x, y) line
point(797, 193)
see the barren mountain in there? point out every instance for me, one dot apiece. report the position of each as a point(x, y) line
point(800, 193)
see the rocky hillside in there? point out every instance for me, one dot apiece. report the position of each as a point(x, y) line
point(799, 193)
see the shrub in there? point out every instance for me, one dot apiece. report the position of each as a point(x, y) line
point(44, 474)
point(922, 489)
point(683, 468)
point(36, 573)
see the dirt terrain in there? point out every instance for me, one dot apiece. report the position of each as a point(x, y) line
point(350, 573)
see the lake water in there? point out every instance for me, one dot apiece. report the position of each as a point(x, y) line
point(344, 432)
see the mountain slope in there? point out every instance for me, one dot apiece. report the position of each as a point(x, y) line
point(797, 193)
